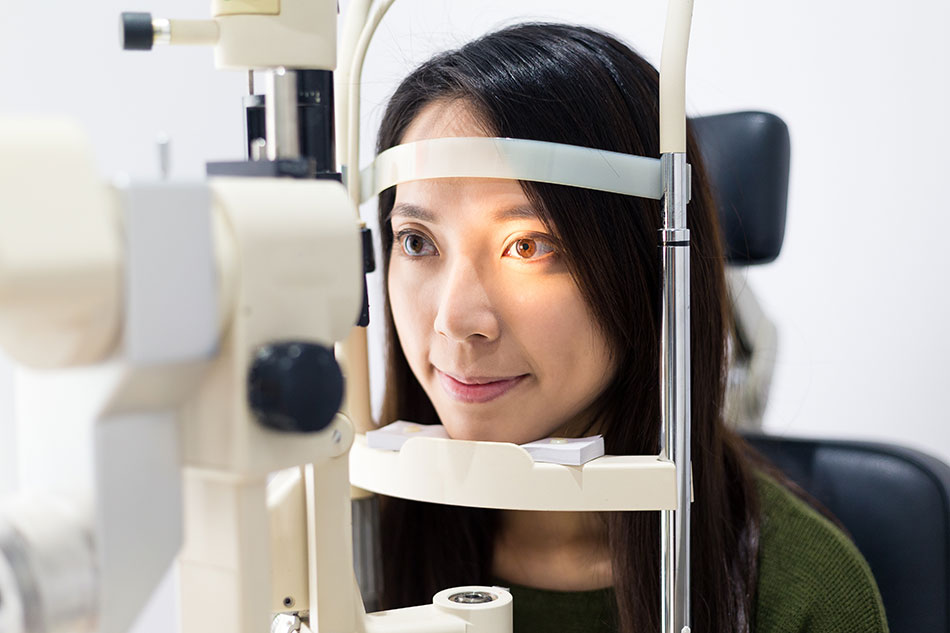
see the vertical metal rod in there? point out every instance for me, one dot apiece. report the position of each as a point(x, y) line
point(675, 393)
point(667, 573)
point(280, 114)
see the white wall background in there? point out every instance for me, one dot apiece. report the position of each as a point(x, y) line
point(860, 292)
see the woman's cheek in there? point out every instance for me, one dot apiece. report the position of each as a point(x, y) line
point(546, 310)
point(411, 309)
point(552, 322)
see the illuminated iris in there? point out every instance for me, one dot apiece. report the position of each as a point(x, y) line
point(529, 248)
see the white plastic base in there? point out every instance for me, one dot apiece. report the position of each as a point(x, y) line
point(482, 474)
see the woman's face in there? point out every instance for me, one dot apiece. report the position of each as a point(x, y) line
point(488, 316)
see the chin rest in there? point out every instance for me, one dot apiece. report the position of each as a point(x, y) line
point(747, 159)
point(895, 502)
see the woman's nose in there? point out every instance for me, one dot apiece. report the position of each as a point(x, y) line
point(465, 311)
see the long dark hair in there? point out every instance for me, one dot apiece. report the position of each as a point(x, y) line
point(579, 86)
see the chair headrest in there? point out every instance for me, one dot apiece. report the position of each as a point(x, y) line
point(747, 159)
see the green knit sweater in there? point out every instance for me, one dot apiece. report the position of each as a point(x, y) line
point(812, 579)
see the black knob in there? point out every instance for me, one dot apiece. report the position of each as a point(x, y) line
point(136, 32)
point(295, 386)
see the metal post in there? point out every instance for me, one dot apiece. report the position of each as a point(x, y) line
point(280, 115)
point(675, 393)
point(667, 573)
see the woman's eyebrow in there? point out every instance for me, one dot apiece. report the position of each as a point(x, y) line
point(411, 211)
point(517, 213)
point(415, 212)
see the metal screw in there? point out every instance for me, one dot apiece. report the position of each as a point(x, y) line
point(473, 597)
point(337, 436)
point(163, 143)
point(288, 601)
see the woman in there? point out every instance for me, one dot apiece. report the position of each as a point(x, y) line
point(521, 310)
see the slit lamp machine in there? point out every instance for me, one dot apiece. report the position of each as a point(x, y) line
point(228, 317)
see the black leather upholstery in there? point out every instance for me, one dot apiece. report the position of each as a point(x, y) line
point(747, 159)
point(895, 502)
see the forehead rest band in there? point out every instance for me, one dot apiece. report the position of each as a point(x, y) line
point(514, 159)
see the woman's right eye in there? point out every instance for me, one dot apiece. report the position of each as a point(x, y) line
point(415, 245)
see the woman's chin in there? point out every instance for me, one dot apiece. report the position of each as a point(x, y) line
point(482, 432)
point(470, 432)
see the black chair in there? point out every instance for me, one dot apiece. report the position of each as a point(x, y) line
point(895, 502)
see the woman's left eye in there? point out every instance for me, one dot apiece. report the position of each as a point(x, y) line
point(530, 248)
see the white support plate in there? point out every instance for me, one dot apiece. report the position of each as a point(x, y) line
point(503, 476)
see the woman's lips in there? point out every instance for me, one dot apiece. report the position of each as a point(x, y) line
point(476, 390)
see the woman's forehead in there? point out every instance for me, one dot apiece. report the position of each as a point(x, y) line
point(446, 199)
point(443, 119)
